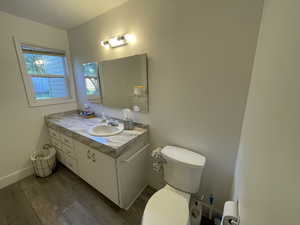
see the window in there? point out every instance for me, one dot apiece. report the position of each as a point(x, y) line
point(45, 74)
point(91, 79)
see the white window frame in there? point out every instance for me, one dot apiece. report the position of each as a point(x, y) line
point(92, 97)
point(69, 81)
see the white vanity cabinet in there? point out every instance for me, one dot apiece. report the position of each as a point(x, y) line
point(99, 170)
point(132, 173)
point(64, 149)
point(120, 179)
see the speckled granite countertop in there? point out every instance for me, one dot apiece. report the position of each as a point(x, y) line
point(72, 125)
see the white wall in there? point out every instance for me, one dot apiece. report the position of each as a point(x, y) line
point(267, 175)
point(22, 128)
point(200, 61)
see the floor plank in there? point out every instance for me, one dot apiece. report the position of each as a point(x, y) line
point(77, 214)
point(64, 199)
point(15, 209)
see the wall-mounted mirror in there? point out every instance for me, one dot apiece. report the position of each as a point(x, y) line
point(119, 83)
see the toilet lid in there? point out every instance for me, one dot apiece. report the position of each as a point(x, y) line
point(168, 206)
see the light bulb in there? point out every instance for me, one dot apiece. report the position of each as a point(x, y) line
point(130, 38)
point(105, 44)
point(39, 62)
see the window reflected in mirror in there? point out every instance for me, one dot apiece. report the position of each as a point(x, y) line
point(91, 79)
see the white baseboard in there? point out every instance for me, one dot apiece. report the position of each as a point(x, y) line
point(15, 176)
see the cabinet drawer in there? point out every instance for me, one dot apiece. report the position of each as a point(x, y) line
point(69, 151)
point(54, 134)
point(66, 140)
point(56, 143)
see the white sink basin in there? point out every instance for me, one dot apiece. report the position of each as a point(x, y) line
point(103, 130)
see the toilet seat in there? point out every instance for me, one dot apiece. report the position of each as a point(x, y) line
point(168, 206)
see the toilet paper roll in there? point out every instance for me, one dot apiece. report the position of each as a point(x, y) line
point(230, 212)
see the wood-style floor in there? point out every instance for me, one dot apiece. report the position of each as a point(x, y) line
point(63, 199)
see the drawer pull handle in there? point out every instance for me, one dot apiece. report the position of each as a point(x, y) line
point(93, 157)
point(88, 154)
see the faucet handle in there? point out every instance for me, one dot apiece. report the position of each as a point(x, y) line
point(112, 123)
point(103, 116)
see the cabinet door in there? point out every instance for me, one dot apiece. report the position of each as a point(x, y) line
point(99, 170)
point(132, 173)
point(70, 163)
point(85, 170)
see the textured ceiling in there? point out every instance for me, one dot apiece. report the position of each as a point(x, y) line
point(64, 14)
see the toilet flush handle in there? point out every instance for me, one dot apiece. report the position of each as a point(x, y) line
point(157, 156)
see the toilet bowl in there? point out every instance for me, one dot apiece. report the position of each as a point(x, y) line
point(168, 206)
point(182, 172)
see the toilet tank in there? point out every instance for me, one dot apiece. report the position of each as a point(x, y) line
point(183, 168)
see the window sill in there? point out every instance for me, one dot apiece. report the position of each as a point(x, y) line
point(94, 99)
point(37, 103)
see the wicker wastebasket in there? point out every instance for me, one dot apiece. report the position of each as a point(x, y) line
point(44, 161)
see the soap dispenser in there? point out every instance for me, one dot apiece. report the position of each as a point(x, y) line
point(128, 119)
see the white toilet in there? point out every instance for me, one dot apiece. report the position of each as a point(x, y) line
point(182, 172)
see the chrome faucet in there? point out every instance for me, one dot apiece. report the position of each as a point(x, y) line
point(112, 123)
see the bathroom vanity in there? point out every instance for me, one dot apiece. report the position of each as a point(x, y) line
point(116, 165)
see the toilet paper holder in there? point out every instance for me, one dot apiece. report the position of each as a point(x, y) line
point(234, 221)
point(230, 213)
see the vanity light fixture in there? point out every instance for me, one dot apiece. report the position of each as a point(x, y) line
point(118, 41)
